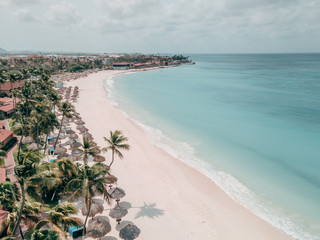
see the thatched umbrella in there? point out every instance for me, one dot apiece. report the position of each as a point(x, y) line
point(90, 138)
point(66, 120)
point(75, 144)
point(105, 166)
point(32, 146)
point(96, 151)
point(98, 227)
point(99, 158)
point(87, 135)
point(73, 136)
point(80, 127)
point(62, 136)
point(70, 141)
point(116, 193)
point(96, 207)
point(51, 141)
point(83, 130)
point(27, 140)
point(50, 146)
point(80, 122)
point(75, 152)
point(118, 212)
point(65, 124)
point(111, 179)
point(70, 131)
point(60, 150)
point(129, 232)
point(62, 155)
point(74, 157)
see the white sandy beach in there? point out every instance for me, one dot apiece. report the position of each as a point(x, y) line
point(169, 200)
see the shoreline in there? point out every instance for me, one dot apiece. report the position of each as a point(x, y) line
point(161, 186)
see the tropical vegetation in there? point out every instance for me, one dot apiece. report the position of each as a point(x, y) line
point(40, 198)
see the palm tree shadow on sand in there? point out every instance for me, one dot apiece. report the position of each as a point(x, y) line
point(150, 211)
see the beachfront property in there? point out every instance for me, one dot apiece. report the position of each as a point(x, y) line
point(122, 65)
point(7, 87)
point(5, 137)
point(7, 107)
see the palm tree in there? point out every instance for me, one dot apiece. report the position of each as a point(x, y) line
point(65, 170)
point(45, 235)
point(9, 194)
point(49, 123)
point(58, 218)
point(90, 182)
point(26, 167)
point(87, 149)
point(29, 216)
point(115, 143)
point(38, 115)
point(66, 109)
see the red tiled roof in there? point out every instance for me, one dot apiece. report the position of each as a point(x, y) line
point(8, 85)
point(4, 134)
point(122, 63)
point(5, 100)
point(7, 108)
point(2, 180)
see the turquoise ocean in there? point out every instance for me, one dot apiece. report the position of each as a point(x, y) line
point(251, 123)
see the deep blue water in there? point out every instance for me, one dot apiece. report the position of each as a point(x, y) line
point(249, 122)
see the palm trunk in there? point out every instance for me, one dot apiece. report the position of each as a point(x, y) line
point(23, 130)
point(37, 136)
point(112, 158)
point(45, 144)
point(55, 144)
point(85, 221)
point(21, 233)
point(21, 208)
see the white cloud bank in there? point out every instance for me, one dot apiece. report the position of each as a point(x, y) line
point(185, 25)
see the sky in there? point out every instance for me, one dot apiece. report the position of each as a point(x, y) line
point(161, 26)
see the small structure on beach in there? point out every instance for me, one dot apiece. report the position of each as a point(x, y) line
point(96, 207)
point(118, 212)
point(129, 232)
point(98, 227)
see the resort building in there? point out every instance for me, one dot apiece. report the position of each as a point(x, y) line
point(7, 87)
point(7, 107)
point(122, 65)
point(5, 137)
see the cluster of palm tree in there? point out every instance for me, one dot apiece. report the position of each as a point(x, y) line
point(31, 202)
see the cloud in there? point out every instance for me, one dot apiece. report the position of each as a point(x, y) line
point(128, 8)
point(63, 15)
point(23, 2)
point(24, 15)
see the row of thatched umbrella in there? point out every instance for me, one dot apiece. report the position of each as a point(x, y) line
point(99, 226)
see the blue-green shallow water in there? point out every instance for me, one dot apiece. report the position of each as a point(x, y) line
point(249, 122)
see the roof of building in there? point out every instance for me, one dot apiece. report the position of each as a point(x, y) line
point(4, 134)
point(5, 100)
point(9, 86)
point(122, 63)
point(2, 178)
point(6, 104)
point(6, 108)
